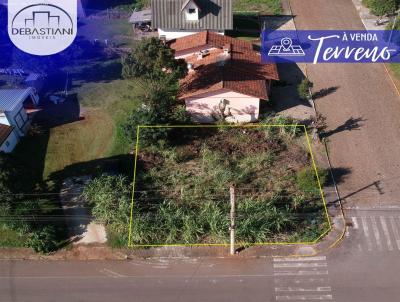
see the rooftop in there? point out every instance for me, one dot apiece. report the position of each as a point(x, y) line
point(227, 63)
point(140, 16)
point(10, 98)
point(5, 132)
point(214, 14)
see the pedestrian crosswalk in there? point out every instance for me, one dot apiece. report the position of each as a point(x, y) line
point(302, 279)
point(376, 233)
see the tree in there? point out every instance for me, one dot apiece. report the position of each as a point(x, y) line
point(154, 61)
point(304, 89)
point(381, 7)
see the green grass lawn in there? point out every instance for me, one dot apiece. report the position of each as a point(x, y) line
point(103, 100)
point(117, 31)
point(272, 7)
point(395, 68)
point(9, 238)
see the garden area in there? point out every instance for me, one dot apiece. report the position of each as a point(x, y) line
point(182, 186)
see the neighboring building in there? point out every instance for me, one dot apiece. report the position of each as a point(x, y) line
point(140, 18)
point(179, 18)
point(8, 139)
point(225, 75)
point(16, 108)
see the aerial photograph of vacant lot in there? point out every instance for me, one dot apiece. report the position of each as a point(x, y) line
point(183, 186)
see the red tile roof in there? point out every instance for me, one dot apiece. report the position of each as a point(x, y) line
point(212, 78)
point(5, 132)
point(207, 38)
point(241, 70)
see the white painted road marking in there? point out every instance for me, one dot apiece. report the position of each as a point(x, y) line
point(303, 289)
point(304, 297)
point(386, 233)
point(300, 273)
point(300, 259)
point(376, 233)
point(355, 222)
point(366, 232)
point(395, 231)
point(299, 264)
point(111, 273)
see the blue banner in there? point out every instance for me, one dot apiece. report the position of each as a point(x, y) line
point(330, 46)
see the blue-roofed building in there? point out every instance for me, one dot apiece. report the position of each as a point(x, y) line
point(16, 108)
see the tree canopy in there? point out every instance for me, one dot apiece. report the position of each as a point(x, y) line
point(153, 60)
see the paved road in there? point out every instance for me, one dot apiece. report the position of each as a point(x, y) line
point(364, 268)
point(362, 114)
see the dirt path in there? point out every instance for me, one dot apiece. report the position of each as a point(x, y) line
point(363, 111)
point(82, 228)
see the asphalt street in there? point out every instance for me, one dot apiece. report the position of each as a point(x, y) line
point(362, 108)
point(363, 268)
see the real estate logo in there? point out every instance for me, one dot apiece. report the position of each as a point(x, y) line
point(330, 46)
point(42, 28)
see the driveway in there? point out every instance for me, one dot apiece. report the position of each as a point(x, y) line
point(362, 109)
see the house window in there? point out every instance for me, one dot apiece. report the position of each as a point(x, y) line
point(7, 144)
point(192, 10)
point(20, 119)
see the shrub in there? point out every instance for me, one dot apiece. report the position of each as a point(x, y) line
point(381, 7)
point(180, 116)
point(110, 197)
point(304, 89)
point(43, 240)
point(148, 136)
point(307, 180)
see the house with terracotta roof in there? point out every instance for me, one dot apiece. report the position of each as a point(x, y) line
point(8, 139)
point(16, 111)
point(179, 18)
point(226, 77)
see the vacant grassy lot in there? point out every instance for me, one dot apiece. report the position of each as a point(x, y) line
point(272, 7)
point(182, 187)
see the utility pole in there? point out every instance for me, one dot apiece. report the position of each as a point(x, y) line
point(232, 226)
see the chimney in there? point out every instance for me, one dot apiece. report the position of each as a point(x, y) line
point(227, 49)
point(190, 67)
point(163, 39)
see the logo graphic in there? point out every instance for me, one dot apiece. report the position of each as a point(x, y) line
point(330, 46)
point(286, 48)
point(42, 28)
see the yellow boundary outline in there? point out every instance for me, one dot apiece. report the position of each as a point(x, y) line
point(130, 245)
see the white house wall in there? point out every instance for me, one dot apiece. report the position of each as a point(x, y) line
point(12, 116)
point(9, 144)
point(243, 108)
point(175, 34)
point(4, 119)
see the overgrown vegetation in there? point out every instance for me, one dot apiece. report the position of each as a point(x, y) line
point(304, 89)
point(153, 65)
point(382, 7)
point(261, 6)
point(21, 223)
point(182, 188)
